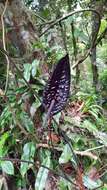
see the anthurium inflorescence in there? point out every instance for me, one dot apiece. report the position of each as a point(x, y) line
point(57, 89)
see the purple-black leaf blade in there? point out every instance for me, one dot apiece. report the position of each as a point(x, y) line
point(58, 87)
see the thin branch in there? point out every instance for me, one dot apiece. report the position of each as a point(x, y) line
point(60, 175)
point(102, 35)
point(4, 44)
point(41, 18)
point(99, 187)
point(21, 74)
point(37, 15)
point(81, 153)
point(23, 130)
point(5, 184)
point(95, 148)
point(14, 116)
point(94, 38)
point(63, 33)
point(48, 112)
point(15, 160)
point(68, 15)
point(80, 60)
point(89, 154)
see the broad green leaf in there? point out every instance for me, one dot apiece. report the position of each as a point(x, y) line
point(57, 117)
point(89, 125)
point(37, 103)
point(101, 136)
point(94, 114)
point(35, 65)
point(28, 155)
point(27, 122)
point(91, 184)
point(79, 33)
point(42, 175)
point(7, 167)
point(66, 155)
point(27, 71)
point(34, 107)
point(64, 185)
point(6, 117)
point(72, 120)
point(3, 139)
point(103, 25)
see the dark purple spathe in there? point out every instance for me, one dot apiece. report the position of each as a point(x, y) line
point(58, 86)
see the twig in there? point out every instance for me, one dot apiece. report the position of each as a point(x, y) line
point(48, 112)
point(4, 44)
point(69, 142)
point(23, 130)
point(37, 15)
point(82, 153)
point(5, 183)
point(94, 38)
point(20, 73)
point(95, 148)
point(103, 173)
point(15, 160)
point(89, 154)
point(42, 145)
point(14, 116)
point(63, 33)
point(60, 175)
point(99, 187)
point(66, 16)
point(102, 35)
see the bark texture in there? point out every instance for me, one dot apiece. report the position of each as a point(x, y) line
point(19, 26)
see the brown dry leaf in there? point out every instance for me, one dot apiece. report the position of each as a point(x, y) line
point(93, 174)
point(53, 137)
point(52, 182)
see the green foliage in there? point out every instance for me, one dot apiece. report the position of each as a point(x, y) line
point(28, 155)
point(103, 79)
point(26, 122)
point(91, 184)
point(42, 174)
point(3, 147)
point(35, 154)
point(30, 69)
point(64, 185)
point(66, 155)
point(7, 167)
point(6, 117)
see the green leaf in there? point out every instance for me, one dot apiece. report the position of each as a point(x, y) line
point(34, 107)
point(89, 125)
point(27, 70)
point(27, 122)
point(64, 185)
point(37, 103)
point(102, 136)
point(42, 175)
point(91, 184)
point(7, 167)
point(103, 25)
point(3, 139)
point(79, 33)
point(35, 65)
point(66, 155)
point(28, 155)
point(6, 117)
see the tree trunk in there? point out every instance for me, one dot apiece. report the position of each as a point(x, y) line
point(21, 33)
point(99, 7)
